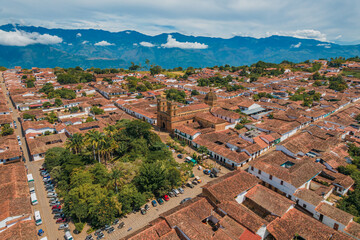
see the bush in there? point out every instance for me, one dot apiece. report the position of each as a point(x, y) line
point(79, 226)
point(90, 230)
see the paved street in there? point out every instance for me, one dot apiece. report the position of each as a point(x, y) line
point(49, 226)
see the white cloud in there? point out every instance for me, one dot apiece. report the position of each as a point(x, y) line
point(325, 45)
point(104, 44)
point(85, 42)
point(147, 44)
point(172, 43)
point(22, 38)
point(78, 35)
point(305, 33)
point(295, 45)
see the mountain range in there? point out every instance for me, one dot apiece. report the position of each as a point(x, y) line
point(98, 48)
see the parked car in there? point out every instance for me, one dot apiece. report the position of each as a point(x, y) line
point(53, 203)
point(116, 221)
point(180, 156)
point(176, 192)
point(59, 215)
point(121, 225)
point(194, 182)
point(181, 190)
point(53, 199)
point(57, 210)
point(147, 207)
point(98, 232)
point(171, 194)
point(89, 237)
point(143, 211)
point(190, 185)
point(49, 186)
point(154, 203)
point(110, 230)
point(46, 180)
point(41, 169)
point(51, 190)
point(19, 141)
point(184, 200)
point(63, 226)
point(166, 198)
point(50, 195)
point(160, 201)
point(15, 125)
point(61, 220)
point(107, 227)
point(198, 179)
point(56, 207)
point(206, 171)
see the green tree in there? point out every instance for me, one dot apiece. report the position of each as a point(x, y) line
point(30, 83)
point(46, 105)
point(155, 69)
point(51, 117)
point(137, 128)
point(202, 149)
point(75, 143)
point(96, 110)
point(28, 116)
point(94, 138)
point(6, 130)
point(357, 118)
point(53, 157)
point(175, 95)
point(58, 102)
point(152, 178)
point(115, 175)
point(194, 93)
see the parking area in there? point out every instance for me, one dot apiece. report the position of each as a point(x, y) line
point(136, 221)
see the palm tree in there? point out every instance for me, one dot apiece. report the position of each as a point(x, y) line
point(75, 143)
point(115, 175)
point(95, 139)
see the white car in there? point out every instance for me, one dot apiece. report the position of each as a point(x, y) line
point(51, 195)
point(18, 138)
point(63, 226)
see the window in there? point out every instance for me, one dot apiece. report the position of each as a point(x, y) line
point(270, 177)
point(304, 205)
point(259, 172)
point(282, 182)
point(252, 168)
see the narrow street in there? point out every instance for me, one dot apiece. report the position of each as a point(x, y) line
point(49, 226)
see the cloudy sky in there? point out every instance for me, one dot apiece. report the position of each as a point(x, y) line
point(326, 20)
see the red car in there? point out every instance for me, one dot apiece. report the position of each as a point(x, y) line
point(166, 197)
point(61, 220)
point(56, 207)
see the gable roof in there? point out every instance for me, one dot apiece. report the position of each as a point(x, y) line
point(227, 187)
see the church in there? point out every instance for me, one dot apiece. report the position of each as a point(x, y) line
point(170, 116)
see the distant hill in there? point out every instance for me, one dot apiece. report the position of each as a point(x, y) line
point(78, 49)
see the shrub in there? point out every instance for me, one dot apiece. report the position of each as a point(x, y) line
point(79, 226)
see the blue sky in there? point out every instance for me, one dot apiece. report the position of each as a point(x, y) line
point(326, 20)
